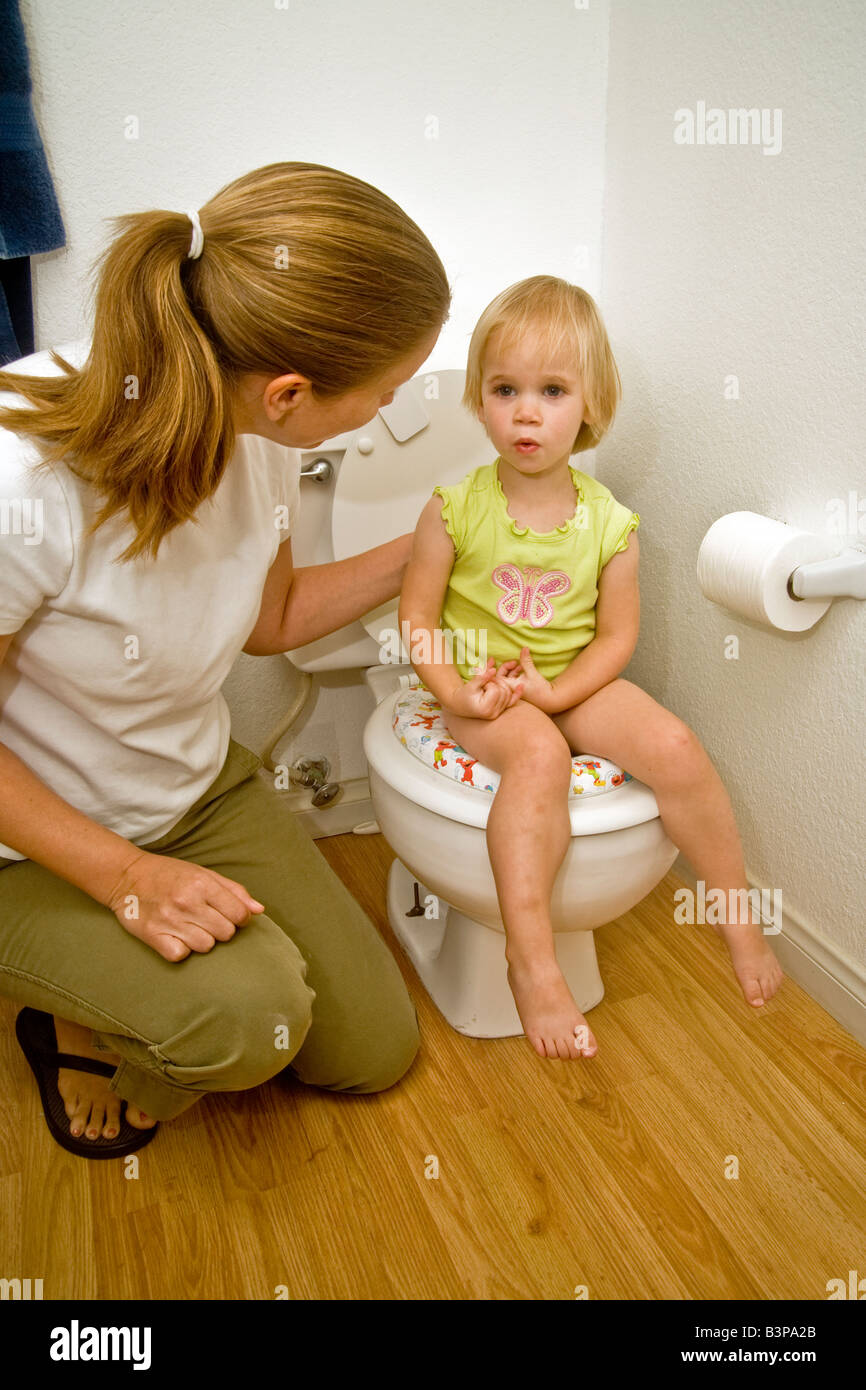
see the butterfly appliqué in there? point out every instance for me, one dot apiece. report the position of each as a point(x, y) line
point(528, 593)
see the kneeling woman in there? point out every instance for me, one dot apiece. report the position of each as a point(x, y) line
point(169, 928)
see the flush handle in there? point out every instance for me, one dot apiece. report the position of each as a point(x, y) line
point(319, 470)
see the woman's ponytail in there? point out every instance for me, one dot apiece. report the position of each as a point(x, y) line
point(303, 268)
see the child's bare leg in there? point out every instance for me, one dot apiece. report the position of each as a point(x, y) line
point(625, 724)
point(528, 832)
point(699, 819)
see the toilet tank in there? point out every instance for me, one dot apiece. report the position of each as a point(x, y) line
point(379, 478)
point(350, 647)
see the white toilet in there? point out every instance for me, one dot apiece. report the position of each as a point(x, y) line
point(431, 799)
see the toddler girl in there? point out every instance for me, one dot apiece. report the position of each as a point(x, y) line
point(542, 560)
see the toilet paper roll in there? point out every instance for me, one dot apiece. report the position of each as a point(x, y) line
point(744, 564)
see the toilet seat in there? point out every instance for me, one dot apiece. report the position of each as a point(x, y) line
point(630, 804)
point(419, 724)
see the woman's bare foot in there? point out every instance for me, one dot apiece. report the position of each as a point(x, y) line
point(91, 1107)
point(755, 966)
point(551, 1020)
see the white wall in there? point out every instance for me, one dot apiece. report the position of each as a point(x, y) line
point(511, 184)
point(723, 260)
point(718, 261)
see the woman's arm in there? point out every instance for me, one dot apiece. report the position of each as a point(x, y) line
point(40, 824)
point(37, 822)
point(301, 605)
point(173, 906)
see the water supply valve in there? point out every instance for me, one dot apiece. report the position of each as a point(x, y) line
point(314, 772)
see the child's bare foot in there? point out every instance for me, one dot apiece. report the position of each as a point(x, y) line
point(551, 1020)
point(755, 966)
point(91, 1107)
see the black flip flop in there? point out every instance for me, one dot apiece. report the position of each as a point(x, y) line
point(38, 1039)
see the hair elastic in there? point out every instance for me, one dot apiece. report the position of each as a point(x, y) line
point(197, 244)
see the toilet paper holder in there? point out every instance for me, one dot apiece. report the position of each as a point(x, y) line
point(842, 576)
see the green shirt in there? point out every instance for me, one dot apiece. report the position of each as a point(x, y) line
point(518, 587)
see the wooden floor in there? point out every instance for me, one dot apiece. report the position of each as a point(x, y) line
point(609, 1173)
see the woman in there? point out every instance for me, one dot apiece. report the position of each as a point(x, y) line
point(169, 928)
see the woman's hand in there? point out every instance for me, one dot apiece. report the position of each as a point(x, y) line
point(176, 907)
point(488, 693)
point(536, 690)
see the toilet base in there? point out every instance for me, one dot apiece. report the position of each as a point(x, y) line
point(462, 964)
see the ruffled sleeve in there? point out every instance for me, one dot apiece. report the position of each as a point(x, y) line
point(619, 523)
point(452, 514)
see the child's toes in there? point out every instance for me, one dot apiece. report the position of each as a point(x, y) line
point(762, 984)
point(771, 981)
point(752, 990)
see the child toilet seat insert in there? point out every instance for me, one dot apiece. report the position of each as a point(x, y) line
point(419, 724)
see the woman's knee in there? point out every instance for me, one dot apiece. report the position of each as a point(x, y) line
point(371, 1052)
point(244, 1033)
point(391, 1059)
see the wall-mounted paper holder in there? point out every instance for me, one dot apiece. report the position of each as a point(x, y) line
point(842, 576)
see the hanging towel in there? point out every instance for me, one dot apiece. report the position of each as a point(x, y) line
point(30, 220)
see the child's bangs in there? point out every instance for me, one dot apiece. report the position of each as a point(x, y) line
point(559, 341)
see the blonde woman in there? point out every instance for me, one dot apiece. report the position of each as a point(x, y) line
point(167, 926)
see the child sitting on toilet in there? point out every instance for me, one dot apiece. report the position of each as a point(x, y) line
point(540, 559)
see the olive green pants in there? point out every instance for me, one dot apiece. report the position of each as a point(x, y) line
point(309, 981)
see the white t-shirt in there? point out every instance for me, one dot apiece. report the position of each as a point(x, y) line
point(110, 692)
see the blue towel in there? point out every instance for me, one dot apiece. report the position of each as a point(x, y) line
point(30, 220)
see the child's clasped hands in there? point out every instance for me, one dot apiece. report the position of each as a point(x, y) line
point(493, 689)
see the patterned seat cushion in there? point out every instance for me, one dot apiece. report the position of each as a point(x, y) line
point(418, 724)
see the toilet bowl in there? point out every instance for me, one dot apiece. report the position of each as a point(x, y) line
point(435, 824)
point(431, 800)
